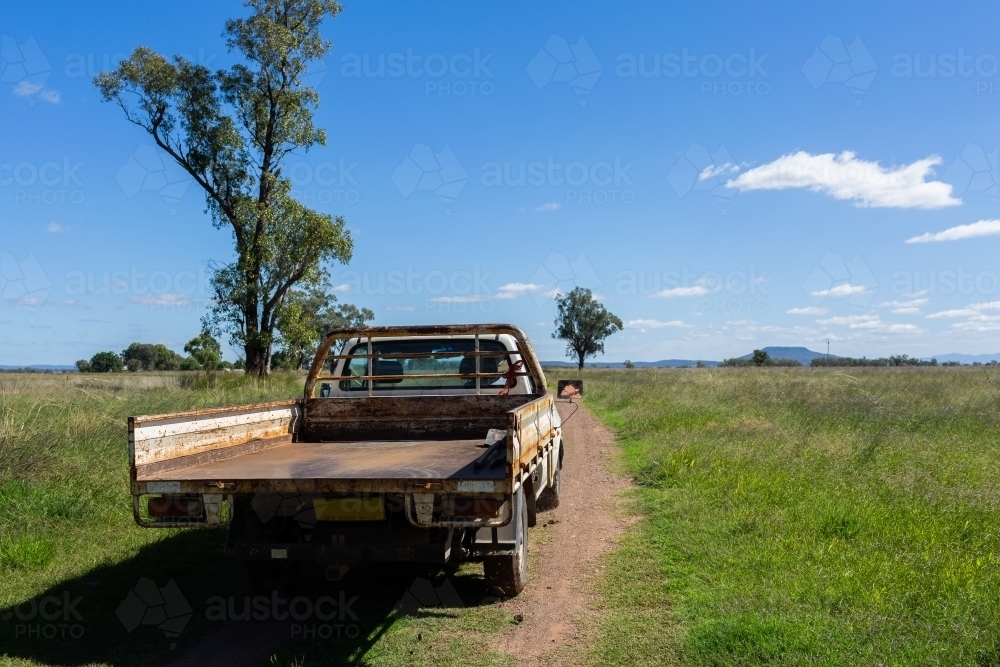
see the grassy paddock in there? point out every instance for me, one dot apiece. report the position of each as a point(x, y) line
point(66, 529)
point(804, 516)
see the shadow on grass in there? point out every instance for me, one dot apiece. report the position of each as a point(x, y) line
point(183, 600)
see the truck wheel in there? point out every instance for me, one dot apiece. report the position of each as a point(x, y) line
point(506, 575)
point(549, 498)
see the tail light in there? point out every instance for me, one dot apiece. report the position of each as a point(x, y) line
point(473, 508)
point(173, 507)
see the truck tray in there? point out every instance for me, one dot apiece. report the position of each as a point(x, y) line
point(390, 465)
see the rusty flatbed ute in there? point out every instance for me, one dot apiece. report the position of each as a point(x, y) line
point(410, 443)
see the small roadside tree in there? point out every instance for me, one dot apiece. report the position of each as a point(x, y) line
point(584, 324)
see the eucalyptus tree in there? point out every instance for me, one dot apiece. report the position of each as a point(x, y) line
point(232, 130)
point(584, 324)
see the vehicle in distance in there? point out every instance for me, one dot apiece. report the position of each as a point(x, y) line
point(421, 444)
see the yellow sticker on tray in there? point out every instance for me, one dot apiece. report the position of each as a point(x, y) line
point(349, 509)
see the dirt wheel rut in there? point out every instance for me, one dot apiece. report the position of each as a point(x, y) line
point(555, 603)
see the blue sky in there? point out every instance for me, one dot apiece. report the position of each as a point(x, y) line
point(724, 176)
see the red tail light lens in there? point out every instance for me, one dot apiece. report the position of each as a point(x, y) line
point(475, 507)
point(188, 507)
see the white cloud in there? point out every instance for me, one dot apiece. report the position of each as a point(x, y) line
point(711, 171)
point(55, 228)
point(909, 303)
point(970, 231)
point(161, 299)
point(343, 287)
point(808, 310)
point(463, 298)
point(844, 177)
point(675, 292)
point(976, 316)
point(908, 307)
point(842, 290)
point(28, 89)
point(551, 206)
point(644, 325)
point(402, 309)
point(514, 290)
point(870, 323)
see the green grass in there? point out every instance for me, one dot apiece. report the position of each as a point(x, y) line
point(66, 529)
point(788, 516)
point(805, 517)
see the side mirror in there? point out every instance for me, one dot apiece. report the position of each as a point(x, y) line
point(570, 389)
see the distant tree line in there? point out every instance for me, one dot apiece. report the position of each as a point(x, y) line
point(204, 353)
point(893, 360)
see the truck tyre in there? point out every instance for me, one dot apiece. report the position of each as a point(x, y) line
point(549, 498)
point(506, 575)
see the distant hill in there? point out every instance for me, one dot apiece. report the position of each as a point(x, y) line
point(664, 363)
point(802, 355)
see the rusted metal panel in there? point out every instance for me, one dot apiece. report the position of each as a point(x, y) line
point(534, 429)
point(407, 417)
point(459, 405)
point(366, 466)
point(157, 439)
point(166, 417)
point(501, 488)
point(412, 459)
point(150, 470)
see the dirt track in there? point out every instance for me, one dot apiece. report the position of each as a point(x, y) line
point(555, 602)
point(564, 549)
